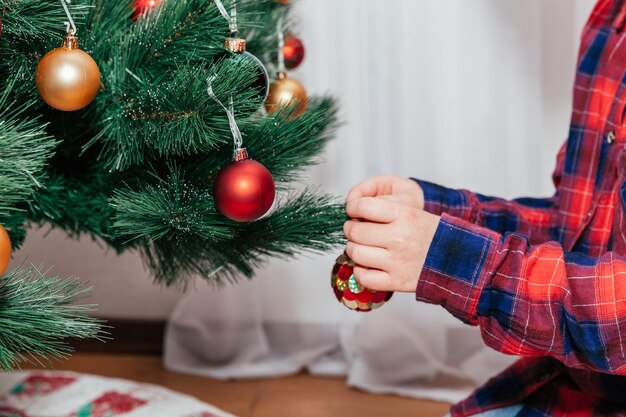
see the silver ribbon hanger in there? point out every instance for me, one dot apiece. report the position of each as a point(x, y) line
point(281, 44)
point(70, 23)
point(230, 112)
point(230, 18)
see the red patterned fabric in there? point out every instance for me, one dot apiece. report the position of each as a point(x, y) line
point(546, 278)
point(109, 404)
point(67, 394)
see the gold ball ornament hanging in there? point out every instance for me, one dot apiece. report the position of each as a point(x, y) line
point(68, 78)
point(286, 92)
point(5, 250)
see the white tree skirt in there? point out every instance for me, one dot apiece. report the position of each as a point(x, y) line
point(69, 394)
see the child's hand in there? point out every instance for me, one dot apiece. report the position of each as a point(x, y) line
point(400, 189)
point(389, 242)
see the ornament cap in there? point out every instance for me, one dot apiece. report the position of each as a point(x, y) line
point(282, 75)
point(236, 45)
point(70, 41)
point(241, 154)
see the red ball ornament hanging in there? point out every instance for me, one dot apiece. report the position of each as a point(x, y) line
point(5, 250)
point(142, 7)
point(352, 294)
point(244, 190)
point(293, 51)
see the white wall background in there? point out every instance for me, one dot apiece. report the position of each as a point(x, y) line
point(468, 94)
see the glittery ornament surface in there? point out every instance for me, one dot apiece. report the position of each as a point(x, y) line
point(350, 292)
point(354, 285)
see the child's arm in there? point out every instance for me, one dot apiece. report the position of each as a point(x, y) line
point(530, 300)
point(532, 217)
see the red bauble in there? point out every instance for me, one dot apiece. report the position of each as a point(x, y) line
point(293, 51)
point(142, 5)
point(244, 190)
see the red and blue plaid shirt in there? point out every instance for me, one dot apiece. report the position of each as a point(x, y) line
point(546, 278)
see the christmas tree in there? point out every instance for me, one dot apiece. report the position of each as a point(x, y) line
point(142, 166)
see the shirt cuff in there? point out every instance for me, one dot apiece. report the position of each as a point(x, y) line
point(439, 200)
point(458, 265)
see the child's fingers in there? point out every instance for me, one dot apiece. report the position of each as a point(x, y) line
point(367, 233)
point(368, 256)
point(374, 209)
point(373, 279)
point(371, 187)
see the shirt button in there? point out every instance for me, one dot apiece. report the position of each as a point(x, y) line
point(589, 213)
point(610, 138)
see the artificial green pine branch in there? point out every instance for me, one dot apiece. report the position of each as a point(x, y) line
point(30, 28)
point(25, 148)
point(287, 145)
point(152, 118)
point(37, 314)
point(77, 208)
point(171, 209)
point(29, 20)
point(186, 235)
point(261, 20)
point(308, 220)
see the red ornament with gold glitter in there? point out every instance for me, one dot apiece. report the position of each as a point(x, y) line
point(5, 250)
point(352, 294)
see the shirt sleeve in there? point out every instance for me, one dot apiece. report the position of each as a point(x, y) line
point(530, 300)
point(535, 218)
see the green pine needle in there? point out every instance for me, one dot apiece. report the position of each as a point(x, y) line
point(308, 221)
point(171, 209)
point(24, 150)
point(37, 314)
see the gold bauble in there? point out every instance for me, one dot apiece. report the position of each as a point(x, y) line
point(5, 250)
point(286, 92)
point(68, 78)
